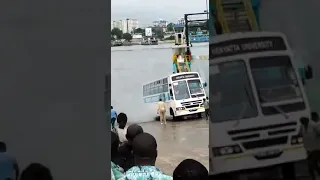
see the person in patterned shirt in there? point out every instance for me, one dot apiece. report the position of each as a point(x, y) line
point(116, 170)
point(145, 153)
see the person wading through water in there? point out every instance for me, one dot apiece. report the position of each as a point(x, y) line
point(162, 111)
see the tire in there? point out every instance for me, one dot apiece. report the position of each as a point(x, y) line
point(174, 118)
point(199, 115)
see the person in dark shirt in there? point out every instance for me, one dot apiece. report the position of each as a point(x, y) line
point(36, 171)
point(190, 169)
point(125, 149)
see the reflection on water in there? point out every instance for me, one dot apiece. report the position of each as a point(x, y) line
point(133, 66)
point(180, 140)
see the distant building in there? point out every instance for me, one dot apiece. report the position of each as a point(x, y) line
point(126, 25)
point(160, 23)
point(181, 21)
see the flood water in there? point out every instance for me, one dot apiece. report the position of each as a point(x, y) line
point(133, 66)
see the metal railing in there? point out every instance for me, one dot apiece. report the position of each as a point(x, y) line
point(221, 18)
point(251, 16)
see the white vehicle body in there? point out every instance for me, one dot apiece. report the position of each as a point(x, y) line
point(183, 93)
point(256, 101)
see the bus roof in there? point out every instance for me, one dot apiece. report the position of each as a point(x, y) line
point(173, 75)
point(183, 73)
point(239, 35)
point(244, 43)
point(180, 46)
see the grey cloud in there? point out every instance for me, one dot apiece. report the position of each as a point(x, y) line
point(147, 11)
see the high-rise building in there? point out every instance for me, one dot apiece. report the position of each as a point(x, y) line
point(160, 23)
point(126, 25)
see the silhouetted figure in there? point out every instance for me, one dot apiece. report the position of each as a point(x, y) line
point(36, 171)
point(122, 127)
point(114, 116)
point(144, 148)
point(116, 160)
point(9, 169)
point(125, 149)
point(311, 143)
point(190, 169)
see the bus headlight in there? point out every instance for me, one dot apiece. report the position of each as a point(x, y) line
point(226, 150)
point(180, 108)
point(296, 140)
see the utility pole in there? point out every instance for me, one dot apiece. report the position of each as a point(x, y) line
point(127, 25)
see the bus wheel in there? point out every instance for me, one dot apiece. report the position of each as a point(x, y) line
point(199, 115)
point(172, 114)
point(288, 171)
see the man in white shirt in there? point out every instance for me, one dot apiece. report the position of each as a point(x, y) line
point(162, 111)
point(311, 140)
point(206, 107)
point(122, 127)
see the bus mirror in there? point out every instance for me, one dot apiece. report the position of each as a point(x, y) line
point(308, 72)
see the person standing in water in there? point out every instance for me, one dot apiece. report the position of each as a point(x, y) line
point(113, 117)
point(162, 111)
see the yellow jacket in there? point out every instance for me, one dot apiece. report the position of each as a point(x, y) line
point(174, 58)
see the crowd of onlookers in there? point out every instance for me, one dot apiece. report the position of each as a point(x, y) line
point(134, 154)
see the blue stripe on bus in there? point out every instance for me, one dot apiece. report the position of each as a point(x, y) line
point(155, 98)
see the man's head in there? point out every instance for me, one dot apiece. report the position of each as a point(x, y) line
point(111, 107)
point(315, 116)
point(144, 148)
point(122, 120)
point(132, 131)
point(190, 169)
point(36, 171)
point(114, 144)
point(160, 99)
point(3, 147)
point(304, 121)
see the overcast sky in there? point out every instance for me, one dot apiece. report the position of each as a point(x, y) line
point(147, 11)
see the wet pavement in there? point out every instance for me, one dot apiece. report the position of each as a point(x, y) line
point(179, 140)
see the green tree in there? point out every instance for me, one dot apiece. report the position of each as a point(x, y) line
point(117, 32)
point(139, 30)
point(158, 32)
point(170, 38)
point(127, 36)
point(170, 27)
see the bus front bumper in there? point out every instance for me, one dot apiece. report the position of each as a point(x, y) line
point(190, 111)
point(247, 161)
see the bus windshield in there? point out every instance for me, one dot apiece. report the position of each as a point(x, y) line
point(231, 95)
point(275, 79)
point(180, 89)
point(195, 86)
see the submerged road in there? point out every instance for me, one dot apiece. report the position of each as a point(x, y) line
point(179, 140)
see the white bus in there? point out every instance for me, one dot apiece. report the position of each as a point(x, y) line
point(183, 93)
point(256, 100)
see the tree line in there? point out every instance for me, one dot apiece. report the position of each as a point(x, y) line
point(116, 33)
